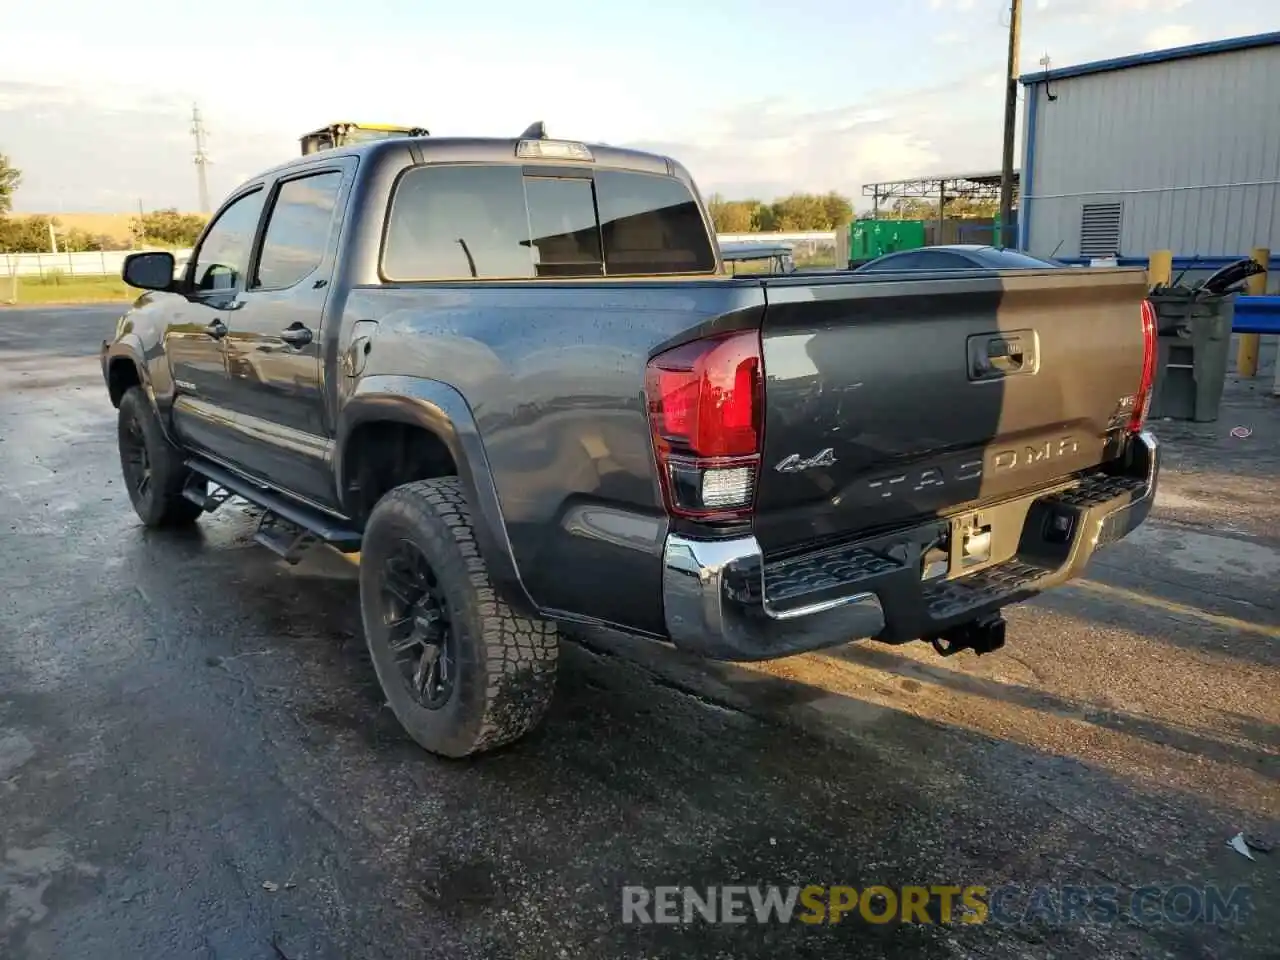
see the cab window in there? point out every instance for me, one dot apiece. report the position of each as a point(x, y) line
point(223, 257)
point(298, 228)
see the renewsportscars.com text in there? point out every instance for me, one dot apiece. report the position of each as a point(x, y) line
point(935, 904)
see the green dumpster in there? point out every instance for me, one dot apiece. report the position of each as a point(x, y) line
point(1193, 328)
point(869, 239)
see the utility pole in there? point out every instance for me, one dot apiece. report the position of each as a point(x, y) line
point(202, 158)
point(1010, 121)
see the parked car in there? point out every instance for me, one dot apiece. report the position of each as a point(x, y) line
point(514, 375)
point(959, 256)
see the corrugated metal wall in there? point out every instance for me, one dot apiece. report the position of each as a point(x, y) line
point(1189, 148)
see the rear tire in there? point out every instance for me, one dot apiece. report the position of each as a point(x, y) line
point(155, 471)
point(461, 670)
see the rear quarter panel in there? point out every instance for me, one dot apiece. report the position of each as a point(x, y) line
point(554, 377)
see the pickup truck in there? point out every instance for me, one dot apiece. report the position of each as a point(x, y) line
point(514, 376)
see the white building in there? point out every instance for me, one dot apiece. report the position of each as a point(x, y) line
point(1176, 149)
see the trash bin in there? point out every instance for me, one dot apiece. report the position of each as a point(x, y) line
point(1193, 328)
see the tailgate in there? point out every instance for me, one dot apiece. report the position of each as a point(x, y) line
point(894, 399)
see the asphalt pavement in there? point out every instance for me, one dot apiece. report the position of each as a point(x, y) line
point(195, 759)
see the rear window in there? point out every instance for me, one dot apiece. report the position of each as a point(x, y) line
point(495, 222)
point(651, 225)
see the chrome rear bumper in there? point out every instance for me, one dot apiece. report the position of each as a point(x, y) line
point(717, 604)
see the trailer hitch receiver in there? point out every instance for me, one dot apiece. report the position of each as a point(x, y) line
point(983, 635)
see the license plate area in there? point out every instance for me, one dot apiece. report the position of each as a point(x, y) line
point(972, 540)
point(969, 545)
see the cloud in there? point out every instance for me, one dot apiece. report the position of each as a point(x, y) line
point(1088, 10)
point(771, 148)
point(108, 148)
point(1171, 35)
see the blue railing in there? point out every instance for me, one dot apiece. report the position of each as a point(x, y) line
point(1256, 315)
point(1179, 263)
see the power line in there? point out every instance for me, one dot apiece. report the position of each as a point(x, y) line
point(202, 158)
point(1010, 121)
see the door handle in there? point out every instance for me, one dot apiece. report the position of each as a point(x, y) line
point(296, 336)
point(1005, 355)
point(993, 356)
point(216, 329)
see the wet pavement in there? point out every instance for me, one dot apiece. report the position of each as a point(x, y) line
point(195, 760)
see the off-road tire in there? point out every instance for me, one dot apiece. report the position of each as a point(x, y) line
point(505, 662)
point(161, 504)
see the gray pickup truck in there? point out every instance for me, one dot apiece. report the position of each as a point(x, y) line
point(514, 375)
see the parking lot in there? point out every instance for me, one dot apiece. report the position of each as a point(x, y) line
point(195, 759)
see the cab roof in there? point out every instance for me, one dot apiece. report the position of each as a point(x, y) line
point(429, 149)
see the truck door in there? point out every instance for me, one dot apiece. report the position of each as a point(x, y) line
point(274, 344)
point(199, 322)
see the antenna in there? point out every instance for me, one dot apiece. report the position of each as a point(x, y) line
point(202, 158)
point(1045, 62)
point(535, 131)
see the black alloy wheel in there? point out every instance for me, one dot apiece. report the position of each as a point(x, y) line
point(135, 459)
point(420, 634)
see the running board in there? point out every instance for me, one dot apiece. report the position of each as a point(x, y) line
point(286, 540)
point(286, 527)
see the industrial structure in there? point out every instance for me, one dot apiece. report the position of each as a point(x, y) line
point(943, 187)
point(1175, 149)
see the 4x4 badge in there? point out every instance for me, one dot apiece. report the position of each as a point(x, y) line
point(796, 463)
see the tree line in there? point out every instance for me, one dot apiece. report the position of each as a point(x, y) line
point(38, 233)
point(797, 213)
point(814, 213)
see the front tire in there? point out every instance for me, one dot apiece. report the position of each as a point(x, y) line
point(461, 670)
point(155, 471)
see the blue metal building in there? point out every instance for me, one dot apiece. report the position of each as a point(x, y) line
point(1175, 149)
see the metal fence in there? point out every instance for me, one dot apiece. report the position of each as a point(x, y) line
point(102, 263)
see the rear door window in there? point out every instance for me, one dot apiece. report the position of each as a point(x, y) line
point(498, 222)
point(298, 229)
point(651, 225)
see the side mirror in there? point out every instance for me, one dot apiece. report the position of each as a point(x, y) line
point(149, 271)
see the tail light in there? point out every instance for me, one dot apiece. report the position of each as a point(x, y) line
point(1142, 400)
point(705, 412)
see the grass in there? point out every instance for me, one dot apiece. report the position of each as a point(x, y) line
point(65, 289)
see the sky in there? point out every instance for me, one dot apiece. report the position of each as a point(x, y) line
point(758, 98)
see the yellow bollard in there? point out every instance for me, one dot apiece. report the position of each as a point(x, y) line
point(1247, 352)
point(1159, 267)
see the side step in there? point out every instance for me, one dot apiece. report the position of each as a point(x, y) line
point(285, 539)
point(286, 526)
